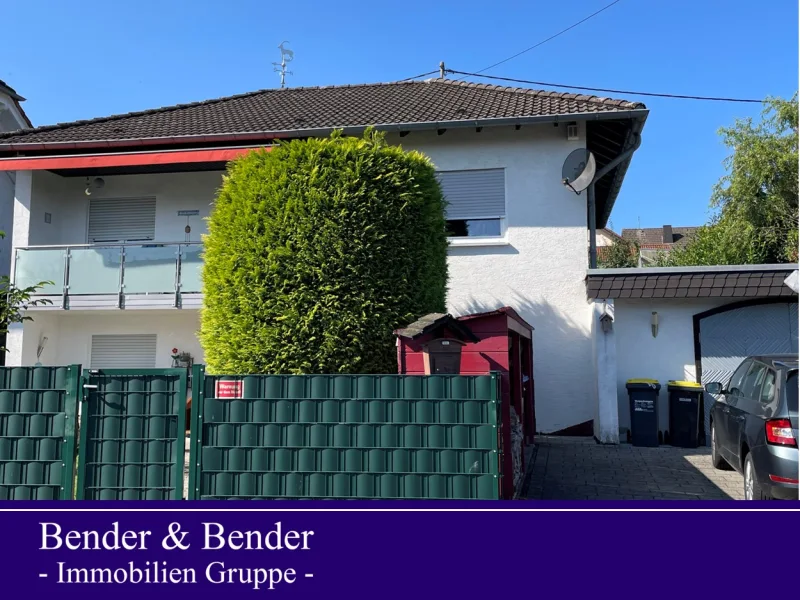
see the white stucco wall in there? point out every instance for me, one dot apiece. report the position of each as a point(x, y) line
point(69, 334)
point(542, 269)
point(6, 219)
point(65, 199)
point(669, 356)
point(539, 269)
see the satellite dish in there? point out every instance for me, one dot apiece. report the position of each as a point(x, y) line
point(578, 170)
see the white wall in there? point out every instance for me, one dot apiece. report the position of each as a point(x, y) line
point(65, 199)
point(70, 333)
point(6, 219)
point(669, 356)
point(542, 269)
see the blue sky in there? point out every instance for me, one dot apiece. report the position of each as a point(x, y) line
point(89, 58)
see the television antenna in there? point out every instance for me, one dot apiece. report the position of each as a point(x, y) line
point(287, 56)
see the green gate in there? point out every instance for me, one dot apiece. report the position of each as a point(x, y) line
point(132, 435)
point(344, 436)
point(37, 432)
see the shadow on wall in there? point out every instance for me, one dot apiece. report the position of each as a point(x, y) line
point(562, 362)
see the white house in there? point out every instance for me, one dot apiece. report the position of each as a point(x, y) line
point(12, 118)
point(111, 211)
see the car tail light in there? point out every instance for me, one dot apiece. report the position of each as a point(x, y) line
point(779, 432)
point(779, 479)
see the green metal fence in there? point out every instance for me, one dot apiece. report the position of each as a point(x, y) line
point(37, 432)
point(348, 436)
point(132, 437)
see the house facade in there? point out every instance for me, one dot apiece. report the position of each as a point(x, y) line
point(12, 118)
point(111, 212)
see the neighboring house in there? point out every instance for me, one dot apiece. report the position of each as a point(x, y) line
point(12, 118)
point(112, 211)
point(605, 239)
point(654, 241)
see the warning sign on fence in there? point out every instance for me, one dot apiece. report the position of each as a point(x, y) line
point(228, 390)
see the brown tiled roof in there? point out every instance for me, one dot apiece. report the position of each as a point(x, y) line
point(655, 235)
point(298, 109)
point(690, 282)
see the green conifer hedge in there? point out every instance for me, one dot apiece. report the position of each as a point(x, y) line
point(316, 252)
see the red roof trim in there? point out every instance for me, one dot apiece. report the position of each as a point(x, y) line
point(129, 159)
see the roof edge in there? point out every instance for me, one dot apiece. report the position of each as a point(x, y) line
point(638, 115)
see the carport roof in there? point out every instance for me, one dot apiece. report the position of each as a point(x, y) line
point(727, 281)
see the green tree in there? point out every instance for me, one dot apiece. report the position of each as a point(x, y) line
point(755, 204)
point(621, 254)
point(14, 302)
point(316, 252)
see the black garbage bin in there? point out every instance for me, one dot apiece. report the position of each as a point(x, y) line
point(684, 413)
point(643, 397)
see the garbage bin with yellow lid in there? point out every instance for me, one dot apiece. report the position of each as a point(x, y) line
point(643, 397)
point(684, 413)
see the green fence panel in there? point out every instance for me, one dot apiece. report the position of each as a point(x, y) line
point(38, 414)
point(132, 438)
point(344, 436)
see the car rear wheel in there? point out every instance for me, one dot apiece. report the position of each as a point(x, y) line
point(752, 490)
point(716, 459)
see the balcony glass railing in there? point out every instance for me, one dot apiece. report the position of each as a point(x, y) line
point(121, 269)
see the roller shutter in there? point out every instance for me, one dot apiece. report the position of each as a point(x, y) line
point(122, 219)
point(474, 194)
point(136, 351)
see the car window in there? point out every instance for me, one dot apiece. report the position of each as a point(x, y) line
point(768, 389)
point(791, 391)
point(736, 380)
point(753, 380)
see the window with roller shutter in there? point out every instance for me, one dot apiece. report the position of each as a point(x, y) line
point(135, 351)
point(122, 220)
point(476, 202)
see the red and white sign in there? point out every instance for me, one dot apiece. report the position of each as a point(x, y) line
point(228, 390)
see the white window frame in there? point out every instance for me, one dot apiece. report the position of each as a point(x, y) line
point(486, 240)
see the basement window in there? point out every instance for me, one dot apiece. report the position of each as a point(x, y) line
point(476, 202)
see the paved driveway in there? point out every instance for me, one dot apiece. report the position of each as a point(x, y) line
point(568, 468)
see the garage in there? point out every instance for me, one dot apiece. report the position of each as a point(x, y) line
point(682, 323)
point(726, 335)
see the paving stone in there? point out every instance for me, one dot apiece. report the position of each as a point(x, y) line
point(569, 468)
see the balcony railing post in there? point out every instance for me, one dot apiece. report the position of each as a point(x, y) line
point(177, 300)
point(121, 295)
point(65, 283)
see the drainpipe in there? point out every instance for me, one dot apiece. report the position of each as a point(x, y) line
point(590, 196)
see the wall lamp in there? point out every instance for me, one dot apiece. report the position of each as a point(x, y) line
point(654, 323)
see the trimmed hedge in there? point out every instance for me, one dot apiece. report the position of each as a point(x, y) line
point(316, 252)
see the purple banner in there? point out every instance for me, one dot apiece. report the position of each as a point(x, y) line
point(380, 550)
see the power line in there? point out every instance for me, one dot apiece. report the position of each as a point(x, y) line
point(591, 89)
point(420, 75)
point(573, 26)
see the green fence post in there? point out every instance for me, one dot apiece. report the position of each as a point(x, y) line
point(196, 431)
point(83, 420)
point(72, 397)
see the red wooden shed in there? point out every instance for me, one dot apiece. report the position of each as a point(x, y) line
point(476, 344)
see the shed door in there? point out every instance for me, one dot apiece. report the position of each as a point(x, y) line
point(122, 219)
point(727, 338)
point(136, 351)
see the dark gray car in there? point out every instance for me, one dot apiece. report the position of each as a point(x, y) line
point(754, 426)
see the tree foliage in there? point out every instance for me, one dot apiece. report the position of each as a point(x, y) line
point(14, 302)
point(755, 204)
point(316, 252)
point(621, 254)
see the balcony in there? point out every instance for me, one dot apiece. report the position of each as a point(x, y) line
point(120, 276)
